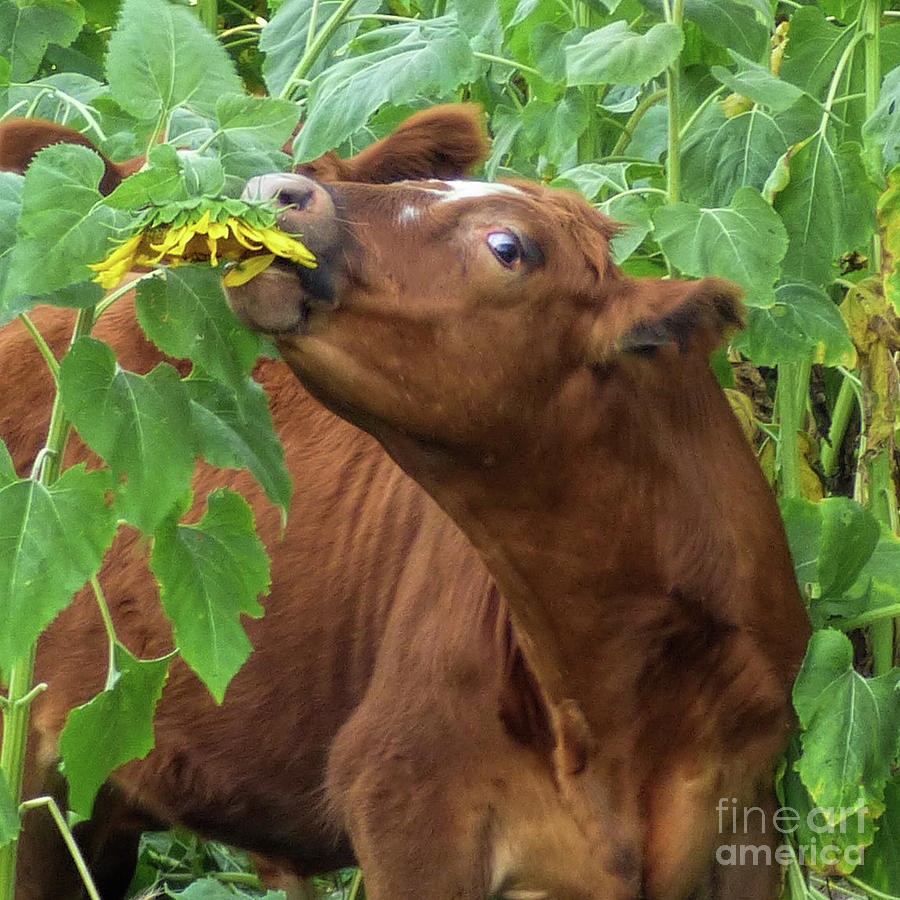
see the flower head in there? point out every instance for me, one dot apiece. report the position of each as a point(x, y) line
point(210, 236)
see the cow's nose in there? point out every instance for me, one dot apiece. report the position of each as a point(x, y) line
point(289, 192)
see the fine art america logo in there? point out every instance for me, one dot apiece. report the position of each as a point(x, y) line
point(820, 850)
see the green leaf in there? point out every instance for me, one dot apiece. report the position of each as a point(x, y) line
point(850, 729)
point(286, 31)
point(27, 29)
point(725, 22)
point(758, 83)
point(744, 241)
point(10, 824)
point(52, 541)
point(802, 325)
point(634, 212)
point(162, 181)
point(236, 432)
point(881, 866)
point(161, 56)
point(593, 179)
point(803, 525)
point(882, 128)
point(186, 315)
point(878, 584)
point(258, 121)
point(554, 128)
point(114, 727)
point(430, 62)
point(210, 573)
point(616, 55)
point(827, 207)
point(61, 227)
point(813, 50)
point(731, 153)
point(849, 535)
point(140, 424)
point(10, 205)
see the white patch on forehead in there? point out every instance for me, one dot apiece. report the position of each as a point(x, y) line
point(464, 190)
point(408, 214)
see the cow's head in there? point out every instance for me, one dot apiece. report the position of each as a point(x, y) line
point(453, 312)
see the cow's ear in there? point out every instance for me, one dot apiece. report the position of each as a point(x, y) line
point(21, 139)
point(441, 142)
point(641, 316)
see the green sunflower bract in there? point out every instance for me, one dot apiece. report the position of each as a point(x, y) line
point(251, 242)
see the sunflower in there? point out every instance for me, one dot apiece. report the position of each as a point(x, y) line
point(252, 247)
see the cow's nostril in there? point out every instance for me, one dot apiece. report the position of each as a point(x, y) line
point(295, 196)
point(287, 190)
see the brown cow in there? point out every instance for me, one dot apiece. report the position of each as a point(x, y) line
point(396, 710)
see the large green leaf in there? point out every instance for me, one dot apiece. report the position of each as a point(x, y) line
point(61, 227)
point(850, 727)
point(827, 207)
point(140, 424)
point(52, 541)
point(813, 50)
point(209, 574)
point(27, 29)
point(744, 241)
point(730, 153)
point(235, 431)
point(7, 470)
point(802, 325)
point(616, 55)
point(259, 121)
point(427, 61)
point(161, 56)
point(114, 727)
point(186, 315)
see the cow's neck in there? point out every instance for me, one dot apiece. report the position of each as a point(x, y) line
point(631, 486)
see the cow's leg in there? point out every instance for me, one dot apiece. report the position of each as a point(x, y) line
point(412, 830)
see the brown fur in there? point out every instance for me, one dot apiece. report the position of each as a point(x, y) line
point(570, 735)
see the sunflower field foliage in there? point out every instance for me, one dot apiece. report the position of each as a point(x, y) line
point(758, 140)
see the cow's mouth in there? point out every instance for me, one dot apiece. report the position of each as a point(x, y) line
point(285, 298)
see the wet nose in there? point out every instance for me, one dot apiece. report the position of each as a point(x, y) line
point(289, 192)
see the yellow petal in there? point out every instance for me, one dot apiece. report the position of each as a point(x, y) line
point(249, 268)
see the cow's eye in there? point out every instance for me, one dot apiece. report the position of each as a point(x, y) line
point(506, 247)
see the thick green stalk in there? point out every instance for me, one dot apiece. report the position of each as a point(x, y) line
point(790, 404)
point(840, 418)
point(21, 675)
point(877, 466)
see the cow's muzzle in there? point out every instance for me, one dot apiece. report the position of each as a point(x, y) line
point(282, 298)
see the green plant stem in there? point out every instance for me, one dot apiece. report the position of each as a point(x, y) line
point(675, 15)
point(69, 839)
point(502, 61)
point(21, 673)
point(355, 885)
point(42, 345)
point(790, 403)
point(312, 52)
point(868, 889)
point(313, 21)
point(847, 399)
point(882, 501)
point(208, 11)
point(863, 620)
point(846, 56)
point(639, 112)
